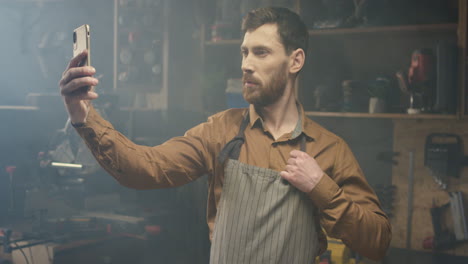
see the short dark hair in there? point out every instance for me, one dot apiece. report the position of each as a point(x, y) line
point(292, 30)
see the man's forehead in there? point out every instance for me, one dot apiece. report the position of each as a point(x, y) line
point(265, 35)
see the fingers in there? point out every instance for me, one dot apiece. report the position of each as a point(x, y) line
point(290, 168)
point(297, 156)
point(74, 77)
point(288, 172)
point(73, 73)
point(76, 85)
point(295, 153)
point(80, 95)
point(77, 59)
point(285, 175)
point(77, 72)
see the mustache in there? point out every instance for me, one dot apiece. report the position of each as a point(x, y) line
point(249, 78)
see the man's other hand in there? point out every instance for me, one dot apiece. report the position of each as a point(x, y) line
point(302, 171)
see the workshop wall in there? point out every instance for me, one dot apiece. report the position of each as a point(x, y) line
point(37, 50)
point(37, 44)
point(34, 55)
point(36, 47)
point(410, 136)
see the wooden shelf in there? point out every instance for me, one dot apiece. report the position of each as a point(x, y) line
point(18, 107)
point(429, 28)
point(149, 29)
point(226, 42)
point(140, 109)
point(380, 115)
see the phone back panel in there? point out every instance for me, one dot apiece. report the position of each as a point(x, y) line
point(81, 41)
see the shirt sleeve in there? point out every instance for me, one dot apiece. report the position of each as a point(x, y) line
point(349, 208)
point(177, 161)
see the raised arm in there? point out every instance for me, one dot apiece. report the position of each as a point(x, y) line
point(176, 162)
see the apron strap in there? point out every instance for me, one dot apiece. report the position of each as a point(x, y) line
point(303, 142)
point(232, 149)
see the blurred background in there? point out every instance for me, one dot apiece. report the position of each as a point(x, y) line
point(387, 76)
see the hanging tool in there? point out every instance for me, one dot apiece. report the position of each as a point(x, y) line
point(410, 199)
point(443, 156)
point(11, 170)
point(444, 238)
point(459, 216)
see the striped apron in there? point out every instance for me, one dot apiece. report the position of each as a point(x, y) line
point(261, 217)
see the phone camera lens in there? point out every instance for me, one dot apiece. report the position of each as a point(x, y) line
point(74, 37)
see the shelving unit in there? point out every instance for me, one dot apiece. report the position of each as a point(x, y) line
point(363, 54)
point(228, 42)
point(141, 50)
point(380, 115)
point(430, 28)
point(367, 52)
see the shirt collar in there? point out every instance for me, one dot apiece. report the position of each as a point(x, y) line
point(302, 126)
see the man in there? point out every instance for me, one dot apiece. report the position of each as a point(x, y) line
point(275, 176)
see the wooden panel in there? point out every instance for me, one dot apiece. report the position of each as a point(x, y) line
point(380, 115)
point(463, 48)
point(386, 29)
point(410, 135)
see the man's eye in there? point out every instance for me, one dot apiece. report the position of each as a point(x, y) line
point(261, 52)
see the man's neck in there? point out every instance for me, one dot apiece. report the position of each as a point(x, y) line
point(280, 117)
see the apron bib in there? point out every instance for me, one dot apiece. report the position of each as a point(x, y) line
point(261, 218)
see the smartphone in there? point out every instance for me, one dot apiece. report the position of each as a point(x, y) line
point(81, 41)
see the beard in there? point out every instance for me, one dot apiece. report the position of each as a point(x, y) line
point(261, 95)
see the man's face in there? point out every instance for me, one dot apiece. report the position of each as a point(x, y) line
point(264, 66)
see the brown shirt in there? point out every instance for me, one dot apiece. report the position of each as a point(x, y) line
point(349, 208)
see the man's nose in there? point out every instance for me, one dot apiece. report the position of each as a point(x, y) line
point(247, 65)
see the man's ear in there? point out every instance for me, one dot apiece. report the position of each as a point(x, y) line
point(297, 60)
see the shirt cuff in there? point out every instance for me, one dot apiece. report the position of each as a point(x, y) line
point(324, 192)
point(76, 125)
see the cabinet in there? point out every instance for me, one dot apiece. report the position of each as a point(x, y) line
point(141, 48)
point(361, 55)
